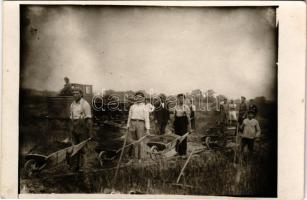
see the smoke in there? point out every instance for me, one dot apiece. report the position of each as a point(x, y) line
point(169, 50)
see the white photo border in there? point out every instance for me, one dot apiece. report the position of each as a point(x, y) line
point(291, 16)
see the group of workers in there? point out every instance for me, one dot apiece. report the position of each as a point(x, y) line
point(142, 112)
point(138, 122)
point(229, 110)
point(248, 125)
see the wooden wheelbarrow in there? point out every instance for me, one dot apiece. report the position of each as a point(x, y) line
point(108, 155)
point(159, 146)
point(37, 162)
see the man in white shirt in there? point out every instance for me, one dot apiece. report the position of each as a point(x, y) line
point(81, 125)
point(138, 122)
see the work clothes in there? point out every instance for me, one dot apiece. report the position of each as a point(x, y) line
point(161, 117)
point(79, 133)
point(192, 117)
point(80, 110)
point(181, 126)
point(222, 118)
point(136, 131)
point(80, 115)
point(242, 112)
point(138, 122)
point(232, 112)
point(139, 111)
point(251, 128)
point(249, 143)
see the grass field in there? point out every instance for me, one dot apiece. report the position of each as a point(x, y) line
point(211, 172)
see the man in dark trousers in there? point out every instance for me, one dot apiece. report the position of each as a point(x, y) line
point(80, 130)
point(81, 126)
point(242, 110)
point(161, 115)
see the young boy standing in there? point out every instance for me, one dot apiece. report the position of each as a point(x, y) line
point(250, 130)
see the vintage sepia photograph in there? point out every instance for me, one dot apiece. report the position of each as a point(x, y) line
point(155, 100)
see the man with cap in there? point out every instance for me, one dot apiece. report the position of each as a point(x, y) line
point(138, 123)
point(81, 125)
point(67, 90)
point(242, 110)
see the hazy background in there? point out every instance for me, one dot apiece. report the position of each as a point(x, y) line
point(167, 49)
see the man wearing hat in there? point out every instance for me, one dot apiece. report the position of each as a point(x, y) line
point(242, 110)
point(67, 90)
point(138, 123)
point(81, 125)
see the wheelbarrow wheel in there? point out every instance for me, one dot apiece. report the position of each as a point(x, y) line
point(100, 158)
point(153, 152)
point(208, 142)
point(30, 167)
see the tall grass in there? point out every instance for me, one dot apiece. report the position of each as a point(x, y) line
point(207, 173)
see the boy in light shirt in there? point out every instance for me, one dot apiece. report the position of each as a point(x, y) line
point(250, 130)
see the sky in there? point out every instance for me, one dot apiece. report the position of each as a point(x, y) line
point(164, 49)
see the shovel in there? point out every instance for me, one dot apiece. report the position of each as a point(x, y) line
point(120, 158)
point(121, 150)
point(182, 173)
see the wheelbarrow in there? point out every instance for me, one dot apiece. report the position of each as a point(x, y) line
point(156, 146)
point(161, 146)
point(37, 162)
point(215, 139)
point(110, 155)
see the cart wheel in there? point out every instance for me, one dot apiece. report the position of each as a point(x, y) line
point(208, 142)
point(30, 167)
point(153, 152)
